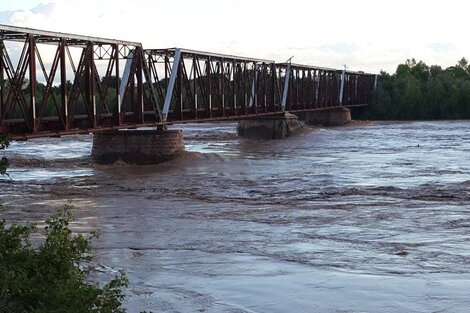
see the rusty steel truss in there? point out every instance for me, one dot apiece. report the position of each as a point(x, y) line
point(195, 85)
point(82, 84)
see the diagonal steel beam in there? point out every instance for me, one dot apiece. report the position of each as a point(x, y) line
point(171, 84)
point(49, 81)
point(285, 91)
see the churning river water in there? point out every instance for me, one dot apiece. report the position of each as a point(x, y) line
point(367, 218)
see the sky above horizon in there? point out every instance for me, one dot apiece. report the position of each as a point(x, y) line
point(364, 34)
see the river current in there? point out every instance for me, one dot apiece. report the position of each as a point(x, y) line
point(367, 218)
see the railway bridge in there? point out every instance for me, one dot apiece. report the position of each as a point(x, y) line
point(55, 84)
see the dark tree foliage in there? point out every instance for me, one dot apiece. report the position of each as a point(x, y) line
point(421, 92)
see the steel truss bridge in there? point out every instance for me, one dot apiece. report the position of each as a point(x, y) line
point(54, 84)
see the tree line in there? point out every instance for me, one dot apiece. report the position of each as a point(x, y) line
point(417, 91)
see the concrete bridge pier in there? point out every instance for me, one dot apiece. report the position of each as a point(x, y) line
point(137, 146)
point(269, 127)
point(329, 117)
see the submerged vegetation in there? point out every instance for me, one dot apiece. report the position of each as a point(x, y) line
point(417, 91)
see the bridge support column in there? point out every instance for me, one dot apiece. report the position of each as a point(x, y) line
point(269, 127)
point(137, 146)
point(330, 117)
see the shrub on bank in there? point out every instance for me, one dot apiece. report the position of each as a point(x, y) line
point(52, 277)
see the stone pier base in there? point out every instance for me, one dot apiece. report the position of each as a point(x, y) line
point(269, 127)
point(137, 146)
point(331, 117)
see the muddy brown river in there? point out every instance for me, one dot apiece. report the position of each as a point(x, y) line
point(368, 218)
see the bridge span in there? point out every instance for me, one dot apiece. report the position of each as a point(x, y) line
point(55, 84)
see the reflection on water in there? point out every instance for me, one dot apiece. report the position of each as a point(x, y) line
point(357, 219)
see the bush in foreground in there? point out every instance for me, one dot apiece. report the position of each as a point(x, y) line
point(52, 276)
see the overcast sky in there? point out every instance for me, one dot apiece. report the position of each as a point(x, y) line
point(364, 34)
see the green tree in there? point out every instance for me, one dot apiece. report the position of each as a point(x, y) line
point(419, 91)
point(421, 71)
point(463, 64)
point(435, 71)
